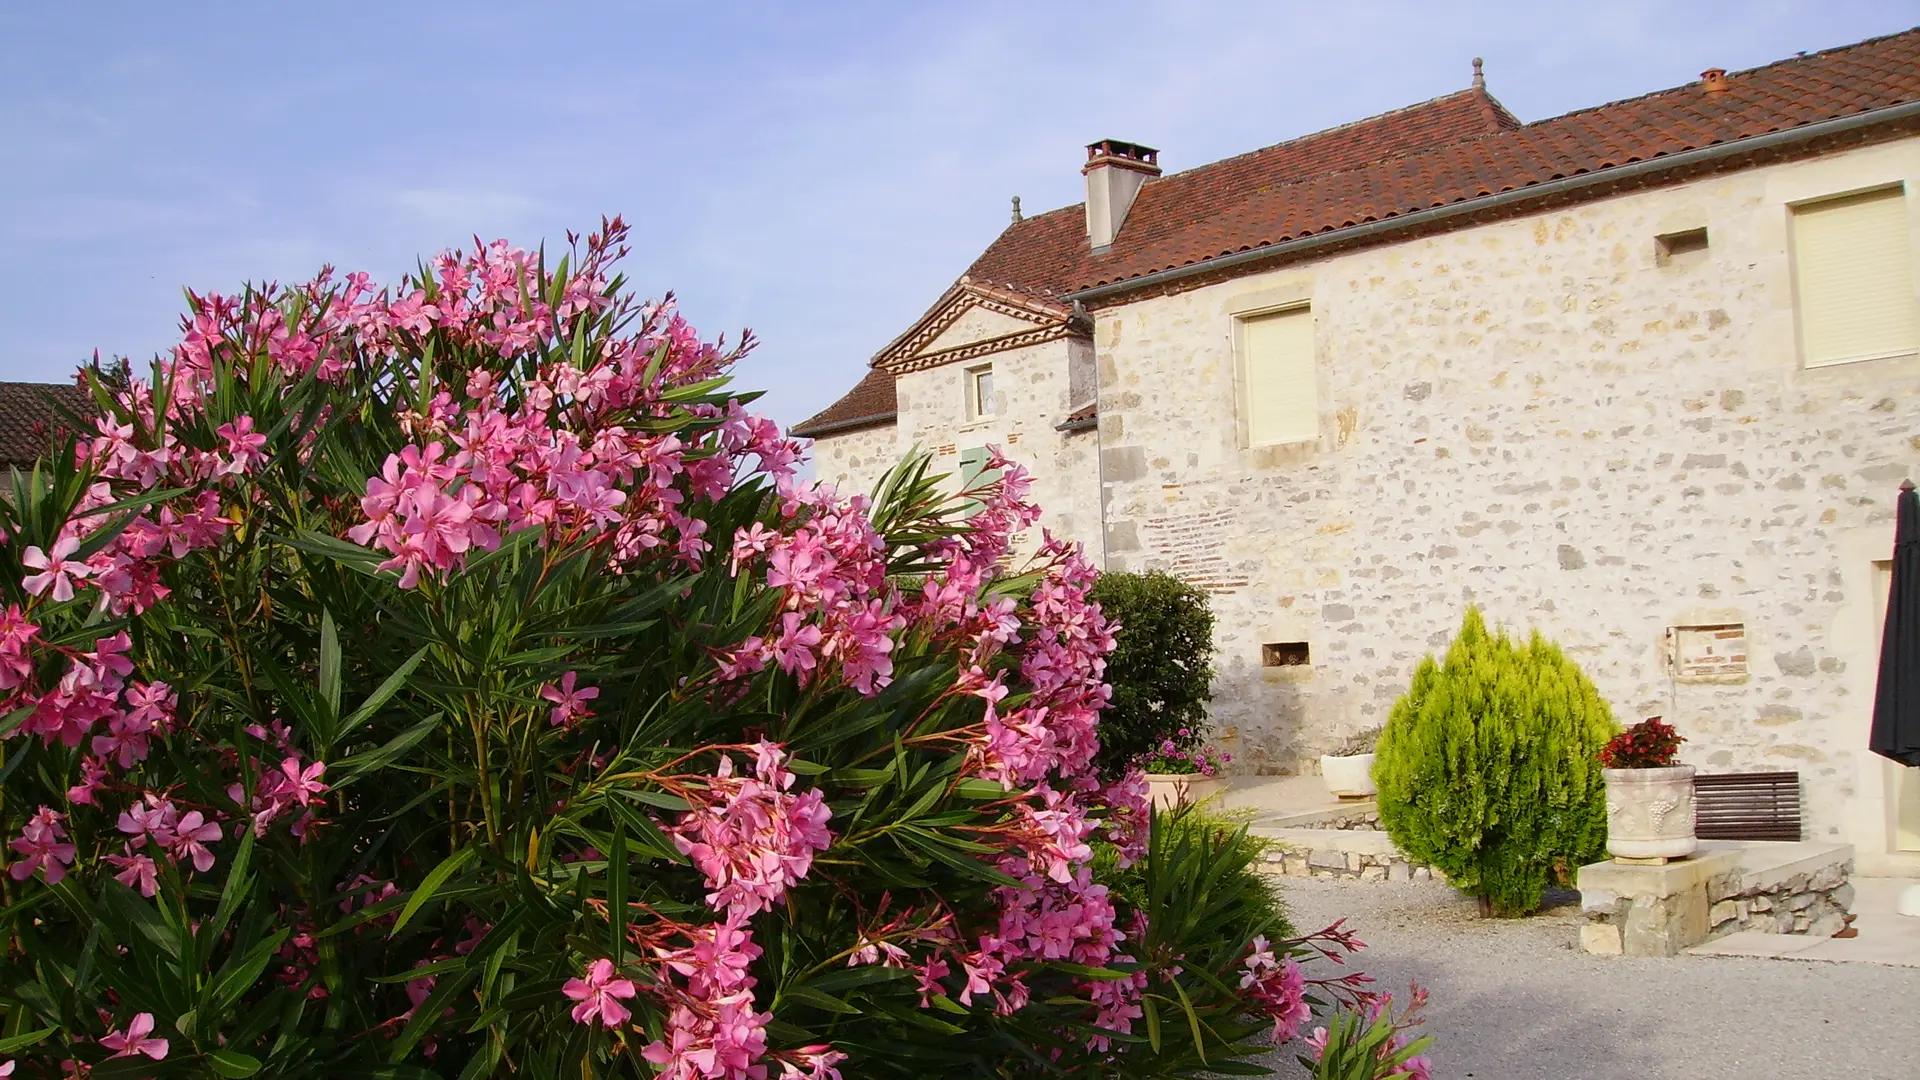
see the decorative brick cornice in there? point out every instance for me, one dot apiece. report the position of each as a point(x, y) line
point(974, 349)
point(903, 353)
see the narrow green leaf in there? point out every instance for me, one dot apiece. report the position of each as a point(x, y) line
point(438, 877)
point(819, 1000)
point(1153, 1022)
point(372, 759)
point(17, 1043)
point(617, 890)
point(1193, 1021)
point(385, 691)
point(241, 977)
point(330, 663)
point(233, 1063)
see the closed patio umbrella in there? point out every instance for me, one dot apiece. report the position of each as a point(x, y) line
point(1896, 703)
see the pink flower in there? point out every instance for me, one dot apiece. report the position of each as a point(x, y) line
point(243, 446)
point(135, 1040)
point(569, 704)
point(598, 995)
point(56, 570)
point(302, 786)
point(136, 872)
point(192, 834)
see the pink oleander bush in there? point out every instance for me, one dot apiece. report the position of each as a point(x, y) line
point(453, 679)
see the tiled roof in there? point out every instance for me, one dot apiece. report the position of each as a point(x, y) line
point(869, 403)
point(30, 417)
point(1449, 150)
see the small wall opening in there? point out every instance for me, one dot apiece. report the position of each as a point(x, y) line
point(1680, 248)
point(1716, 651)
point(1285, 654)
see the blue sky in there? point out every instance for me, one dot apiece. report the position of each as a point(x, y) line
point(818, 171)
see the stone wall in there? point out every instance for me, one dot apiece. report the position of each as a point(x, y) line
point(1538, 417)
point(853, 460)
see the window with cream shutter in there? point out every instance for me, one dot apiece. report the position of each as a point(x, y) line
point(1853, 271)
point(1279, 398)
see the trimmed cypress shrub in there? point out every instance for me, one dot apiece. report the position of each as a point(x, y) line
point(1487, 768)
point(1161, 668)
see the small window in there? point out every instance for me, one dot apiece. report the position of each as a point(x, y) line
point(1279, 396)
point(980, 392)
point(1285, 654)
point(1681, 248)
point(1853, 272)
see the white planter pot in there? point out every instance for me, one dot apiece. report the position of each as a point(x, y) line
point(1172, 789)
point(1650, 812)
point(1349, 777)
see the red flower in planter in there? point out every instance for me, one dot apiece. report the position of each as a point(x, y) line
point(1649, 744)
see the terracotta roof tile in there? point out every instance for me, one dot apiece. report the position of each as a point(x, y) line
point(871, 402)
point(1443, 151)
point(30, 416)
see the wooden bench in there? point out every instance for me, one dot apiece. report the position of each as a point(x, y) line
point(1747, 806)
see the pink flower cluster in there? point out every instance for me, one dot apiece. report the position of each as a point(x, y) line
point(567, 452)
point(44, 847)
point(752, 837)
point(155, 825)
point(835, 597)
point(1276, 987)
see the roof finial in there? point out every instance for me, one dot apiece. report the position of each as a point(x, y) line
point(1479, 76)
point(1016, 209)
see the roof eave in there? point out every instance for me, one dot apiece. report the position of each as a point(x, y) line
point(841, 427)
point(1547, 189)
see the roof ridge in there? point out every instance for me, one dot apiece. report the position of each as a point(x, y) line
point(1782, 62)
point(1401, 111)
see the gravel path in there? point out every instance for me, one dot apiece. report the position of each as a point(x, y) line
point(1516, 1000)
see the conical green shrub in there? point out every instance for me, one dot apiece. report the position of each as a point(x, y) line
point(1487, 767)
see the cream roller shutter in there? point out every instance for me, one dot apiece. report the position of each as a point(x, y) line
point(1854, 263)
point(1282, 404)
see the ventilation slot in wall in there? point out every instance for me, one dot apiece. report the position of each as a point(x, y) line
point(1285, 654)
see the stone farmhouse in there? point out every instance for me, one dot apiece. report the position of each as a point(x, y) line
point(1645, 376)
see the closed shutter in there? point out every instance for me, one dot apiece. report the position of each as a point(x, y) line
point(1282, 404)
point(1854, 264)
point(974, 473)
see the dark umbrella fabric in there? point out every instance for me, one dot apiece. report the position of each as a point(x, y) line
point(1896, 703)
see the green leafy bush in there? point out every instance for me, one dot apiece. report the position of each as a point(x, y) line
point(1487, 768)
point(1161, 668)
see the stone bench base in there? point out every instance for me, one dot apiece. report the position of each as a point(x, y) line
point(1726, 886)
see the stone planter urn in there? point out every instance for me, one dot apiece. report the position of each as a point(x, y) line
point(1349, 776)
point(1650, 813)
point(1171, 789)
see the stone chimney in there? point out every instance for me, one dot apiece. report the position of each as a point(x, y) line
point(1115, 172)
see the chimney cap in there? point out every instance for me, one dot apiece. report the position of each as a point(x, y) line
point(1125, 154)
point(1714, 80)
point(1016, 210)
point(1479, 74)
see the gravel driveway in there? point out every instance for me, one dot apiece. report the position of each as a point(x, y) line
point(1516, 1000)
